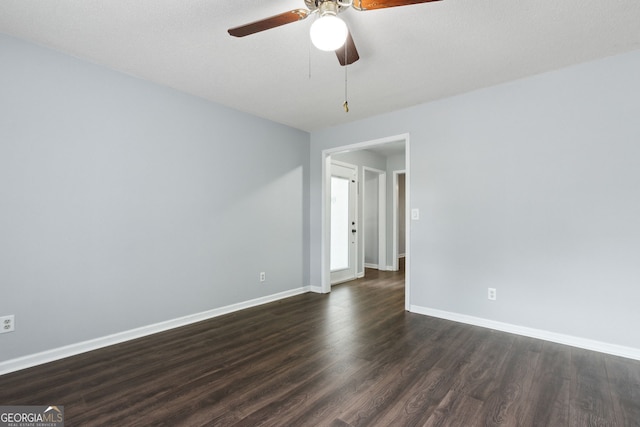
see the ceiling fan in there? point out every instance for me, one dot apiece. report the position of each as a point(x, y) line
point(328, 32)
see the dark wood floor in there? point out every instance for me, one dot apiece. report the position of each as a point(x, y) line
point(351, 358)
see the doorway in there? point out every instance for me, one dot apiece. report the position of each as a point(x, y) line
point(399, 140)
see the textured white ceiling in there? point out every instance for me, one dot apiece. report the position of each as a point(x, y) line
point(408, 55)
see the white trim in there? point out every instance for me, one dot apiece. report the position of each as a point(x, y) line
point(407, 225)
point(587, 344)
point(94, 344)
point(394, 222)
point(316, 289)
point(325, 223)
point(379, 267)
point(396, 205)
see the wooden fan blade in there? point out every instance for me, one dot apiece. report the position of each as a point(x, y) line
point(347, 54)
point(381, 4)
point(268, 23)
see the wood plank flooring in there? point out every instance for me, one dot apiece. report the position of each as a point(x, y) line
point(350, 358)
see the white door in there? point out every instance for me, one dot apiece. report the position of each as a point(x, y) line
point(343, 222)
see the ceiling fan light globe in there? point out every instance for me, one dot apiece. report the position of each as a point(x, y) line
point(328, 32)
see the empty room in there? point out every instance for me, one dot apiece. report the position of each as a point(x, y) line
point(217, 213)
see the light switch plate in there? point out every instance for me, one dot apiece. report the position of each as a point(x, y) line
point(415, 214)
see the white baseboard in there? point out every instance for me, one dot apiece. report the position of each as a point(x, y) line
point(385, 267)
point(94, 344)
point(599, 346)
point(380, 267)
point(316, 289)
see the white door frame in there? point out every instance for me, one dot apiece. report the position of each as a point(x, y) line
point(325, 205)
point(382, 215)
point(396, 197)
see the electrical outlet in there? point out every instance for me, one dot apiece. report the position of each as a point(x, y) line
point(7, 324)
point(263, 276)
point(491, 294)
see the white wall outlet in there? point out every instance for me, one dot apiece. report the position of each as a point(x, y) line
point(7, 324)
point(491, 294)
point(263, 276)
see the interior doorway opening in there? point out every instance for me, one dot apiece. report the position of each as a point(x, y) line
point(377, 163)
point(399, 218)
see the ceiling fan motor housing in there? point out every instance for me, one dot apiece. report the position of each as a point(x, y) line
point(327, 7)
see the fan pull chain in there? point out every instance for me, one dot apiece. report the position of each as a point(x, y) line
point(346, 65)
point(309, 59)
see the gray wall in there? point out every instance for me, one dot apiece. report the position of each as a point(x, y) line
point(123, 204)
point(530, 187)
point(371, 220)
